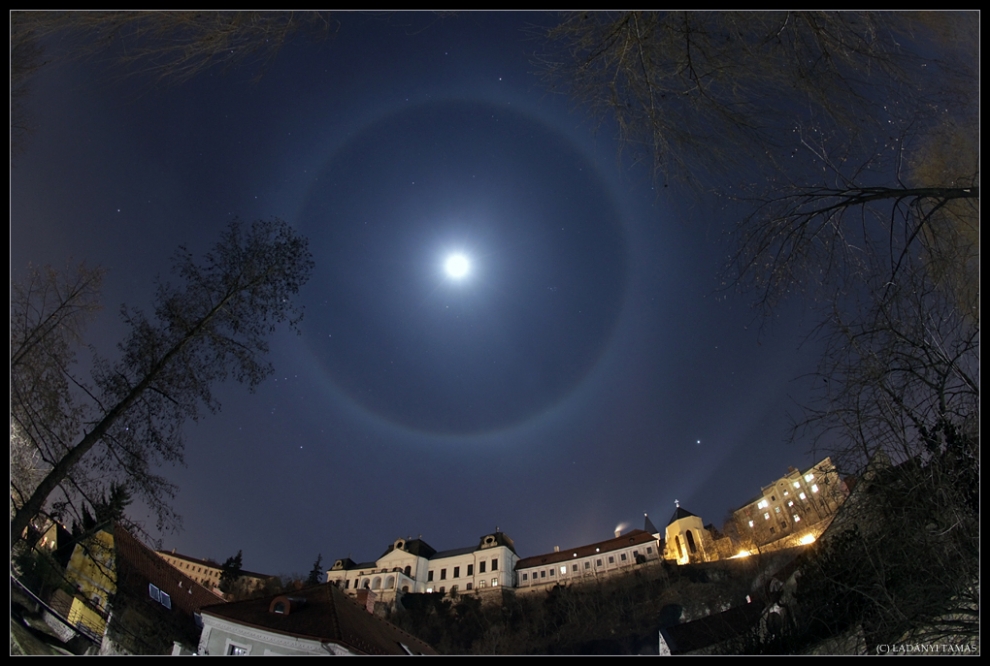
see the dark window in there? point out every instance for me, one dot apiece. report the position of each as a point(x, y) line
point(408, 570)
point(543, 574)
point(457, 572)
point(481, 567)
point(495, 564)
point(573, 567)
point(649, 549)
point(280, 607)
point(470, 585)
point(622, 556)
point(587, 565)
point(551, 573)
point(166, 601)
point(611, 559)
point(598, 562)
point(470, 570)
point(525, 576)
point(690, 540)
point(429, 576)
point(443, 574)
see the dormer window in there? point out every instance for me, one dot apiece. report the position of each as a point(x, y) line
point(279, 607)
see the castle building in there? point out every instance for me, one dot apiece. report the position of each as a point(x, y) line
point(573, 565)
point(412, 565)
point(792, 505)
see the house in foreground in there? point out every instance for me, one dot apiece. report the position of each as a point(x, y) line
point(319, 620)
point(130, 599)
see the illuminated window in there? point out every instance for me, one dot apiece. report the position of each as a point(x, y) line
point(481, 583)
point(563, 570)
point(429, 590)
point(777, 509)
point(766, 516)
point(495, 580)
point(786, 493)
point(237, 650)
point(814, 488)
point(751, 523)
point(797, 518)
point(791, 503)
point(763, 504)
point(803, 496)
point(797, 485)
point(809, 477)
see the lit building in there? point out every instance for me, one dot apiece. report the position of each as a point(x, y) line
point(687, 539)
point(584, 563)
point(412, 565)
point(794, 504)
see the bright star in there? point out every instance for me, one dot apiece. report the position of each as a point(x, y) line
point(457, 266)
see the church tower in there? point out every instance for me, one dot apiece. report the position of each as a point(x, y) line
point(685, 537)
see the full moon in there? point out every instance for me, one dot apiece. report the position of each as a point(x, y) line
point(457, 266)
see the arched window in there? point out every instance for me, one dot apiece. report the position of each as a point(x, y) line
point(390, 582)
point(408, 570)
point(690, 540)
point(376, 584)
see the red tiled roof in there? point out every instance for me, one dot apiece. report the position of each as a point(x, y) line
point(328, 616)
point(138, 565)
point(631, 538)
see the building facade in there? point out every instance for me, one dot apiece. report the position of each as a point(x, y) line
point(412, 565)
point(585, 563)
point(319, 620)
point(207, 572)
point(792, 505)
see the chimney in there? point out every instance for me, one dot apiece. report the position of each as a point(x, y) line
point(556, 549)
point(618, 531)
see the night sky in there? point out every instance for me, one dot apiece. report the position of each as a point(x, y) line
point(586, 369)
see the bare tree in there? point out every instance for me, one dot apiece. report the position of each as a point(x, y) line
point(127, 419)
point(172, 46)
point(703, 94)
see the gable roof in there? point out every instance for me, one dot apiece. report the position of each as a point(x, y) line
point(326, 615)
point(138, 565)
point(631, 538)
point(680, 512)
